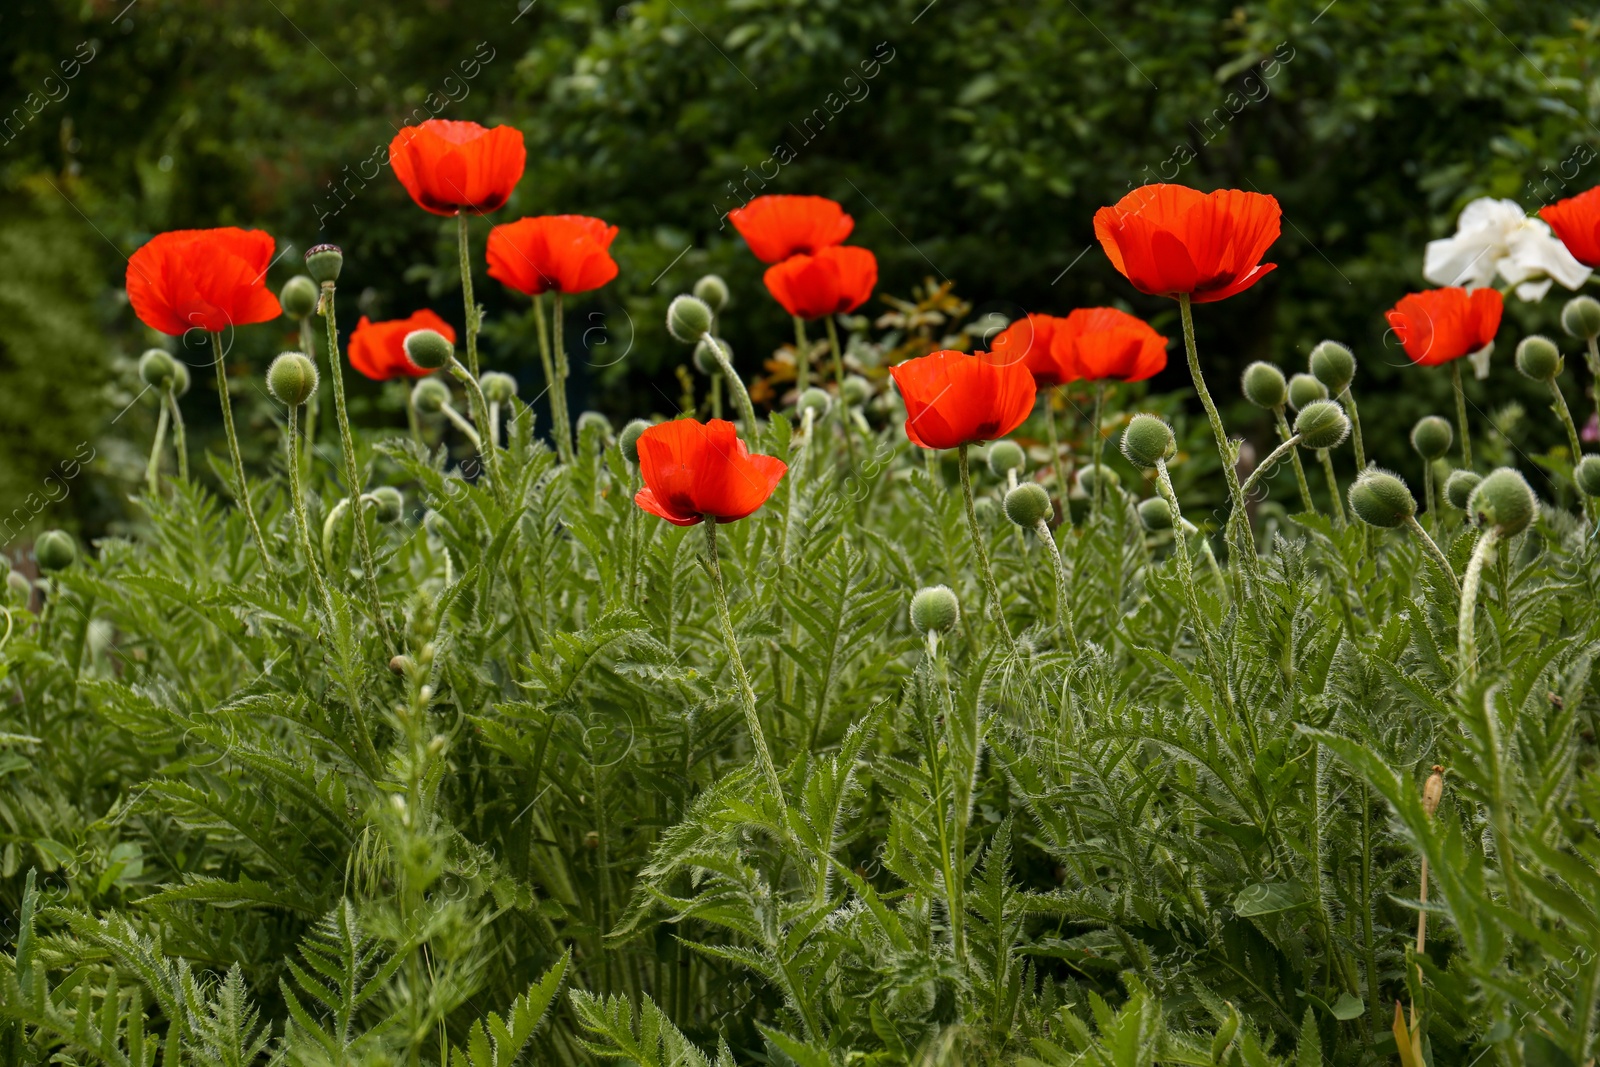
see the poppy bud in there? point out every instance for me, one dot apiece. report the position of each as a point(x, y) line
point(1147, 441)
point(1304, 389)
point(299, 297)
point(628, 440)
point(1538, 358)
point(388, 503)
point(1006, 456)
point(1027, 504)
point(323, 263)
point(430, 395)
point(1322, 424)
point(1156, 514)
point(1087, 476)
point(1581, 317)
point(1587, 475)
point(180, 378)
point(1433, 791)
point(401, 664)
point(935, 609)
point(429, 349)
point(1333, 365)
point(292, 378)
point(1505, 501)
point(1432, 437)
point(705, 356)
point(18, 589)
point(497, 388)
point(817, 400)
point(855, 390)
point(688, 318)
point(1264, 385)
point(1381, 499)
point(1459, 486)
point(713, 290)
point(55, 550)
point(594, 422)
point(157, 368)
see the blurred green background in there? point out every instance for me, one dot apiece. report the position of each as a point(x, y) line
point(977, 151)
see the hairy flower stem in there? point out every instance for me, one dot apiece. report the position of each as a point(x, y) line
point(1466, 629)
point(952, 831)
point(1284, 434)
point(1180, 549)
point(480, 414)
point(298, 501)
point(178, 442)
point(1099, 443)
point(1265, 466)
point(802, 357)
point(1063, 600)
point(241, 489)
point(557, 411)
point(991, 588)
point(747, 693)
point(558, 341)
point(1461, 414)
point(1431, 546)
point(1429, 493)
point(462, 424)
point(1333, 487)
point(1055, 438)
point(736, 389)
point(1594, 374)
point(471, 305)
point(1224, 447)
point(308, 346)
point(152, 470)
point(1348, 399)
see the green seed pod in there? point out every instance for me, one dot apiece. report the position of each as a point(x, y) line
point(1304, 389)
point(705, 356)
point(157, 368)
point(814, 399)
point(1581, 317)
point(299, 297)
point(429, 349)
point(1538, 358)
point(323, 263)
point(1322, 424)
point(498, 388)
point(55, 550)
point(1264, 386)
point(1147, 441)
point(1006, 456)
point(935, 609)
point(292, 378)
point(1027, 504)
point(856, 390)
point(1432, 437)
point(180, 378)
point(388, 503)
point(594, 422)
point(1087, 476)
point(1333, 365)
point(430, 395)
point(628, 440)
point(1458, 488)
point(713, 290)
point(1587, 475)
point(1505, 501)
point(1155, 513)
point(688, 318)
point(1381, 499)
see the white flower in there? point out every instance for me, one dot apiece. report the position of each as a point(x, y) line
point(1498, 237)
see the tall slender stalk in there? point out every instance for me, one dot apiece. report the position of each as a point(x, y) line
point(1284, 433)
point(1594, 375)
point(1431, 546)
point(1055, 438)
point(547, 363)
point(1180, 549)
point(1064, 618)
point(1430, 493)
point(1099, 444)
point(1461, 414)
point(1333, 487)
point(152, 470)
point(241, 488)
point(292, 455)
point(802, 356)
point(179, 443)
point(736, 389)
point(1466, 629)
point(991, 588)
point(558, 341)
point(467, 300)
point(1224, 446)
point(309, 444)
point(1348, 399)
point(1288, 447)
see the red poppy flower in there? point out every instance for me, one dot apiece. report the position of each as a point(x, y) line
point(693, 470)
point(1101, 344)
point(567, 253)
point(777, 227)
point(1576, 220)
point(1169, 240)
point(378, 349)
point(202, 280)
point(1028, 341)
point(955, 399)
point(833, 281)
point(450, 167)
point(1439, 325)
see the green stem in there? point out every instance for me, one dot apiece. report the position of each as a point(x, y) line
point(838, 356)
point(1461, 414)
point(1566, 419)
point(1063, 596)
point(845, 425)
point(1333, 487)
point(559, 343)
point(461, 423)
point(1594, 374)
point(1055, 438)
point(1224, 447)
point(1288, 446)
point(1180, 548)
point(1466, 629)
point(152, 470)
point(467, 300)
point(1099, 442)
point(298, 501)
point(549, 366)
point(736, 389)
point(241, 489)
point(991, 588)
point(309, 435)
point(179, 443)
point(1428, 492)
point(1432, 548)
point(1349, 400)
point(1284, 433)
point(802, 356)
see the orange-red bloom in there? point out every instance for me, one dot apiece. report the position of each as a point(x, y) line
point(450, 167)
point(833, 281)
point(955, 399)
point(1439, 325)
point(693, 471)
point(1028, 341)
point(378, 349)
point(202, 280)
point(1104, 344)
point(1576, 220)
point(567, 253)
point(1169, 240)
point(777, 227)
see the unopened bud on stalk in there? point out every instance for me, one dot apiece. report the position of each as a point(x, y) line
point(713, 290)
point(1147, 441)
point(1432, 437)
point(388, 503)
point(401, 664)
point(705, 356)
point(1333, 365)
point(1322, 424)
point(1459, 486)
point(1538, 358)
point(292, 378)
point(323, 263)
point(814, 399)
point(180, 378)
point(1581, 317)
point(1027, 504)
point(1505, 501)
point(1155, 513)
point(157, 368)
point(55, 550)
point(1305, 389)
point(628, 440)
point(1087, 476)
point(18, 589)
point(855, 390)
point(935, 609)
point(298, 297)
point(498, 388)
point(429, 349)
point(594, 422)
point(1381, 499)
point(1587, 475)
point(1433, 791)
point(430, 395)
point(1006, 456)
point(688, 318)
point(1264, 386)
